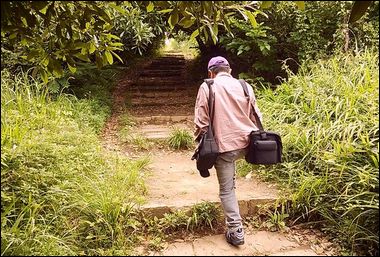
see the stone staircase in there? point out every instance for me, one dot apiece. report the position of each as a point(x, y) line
point(160, 100)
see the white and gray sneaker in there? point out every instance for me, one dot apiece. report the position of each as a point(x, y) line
point(235, 238)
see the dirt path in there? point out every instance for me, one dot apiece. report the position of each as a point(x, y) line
point(159, 98)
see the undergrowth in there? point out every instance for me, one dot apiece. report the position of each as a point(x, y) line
point(61, 194)
point(328, 116)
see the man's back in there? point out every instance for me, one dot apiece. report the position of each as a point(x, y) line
point(231, 123)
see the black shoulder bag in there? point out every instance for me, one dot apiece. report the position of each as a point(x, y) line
point(207, 150)
point(265, 147)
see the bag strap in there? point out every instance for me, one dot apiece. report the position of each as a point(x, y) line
point(246, 93)
point(211, 105)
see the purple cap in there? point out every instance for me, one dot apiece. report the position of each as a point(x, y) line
point(217, 62)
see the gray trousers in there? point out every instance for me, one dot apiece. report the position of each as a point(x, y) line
point(226, 173)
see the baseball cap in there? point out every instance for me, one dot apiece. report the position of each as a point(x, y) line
point(217, 62)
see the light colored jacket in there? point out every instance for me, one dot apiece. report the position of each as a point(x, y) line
point(233, 120)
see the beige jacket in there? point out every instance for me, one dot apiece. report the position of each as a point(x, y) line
point(233, 121)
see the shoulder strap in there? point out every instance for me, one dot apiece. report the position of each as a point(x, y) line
point(211, 100)
point(246, 93)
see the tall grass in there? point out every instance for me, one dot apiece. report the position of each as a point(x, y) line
point(60, 193)
point(180, 138)
point(328, 116)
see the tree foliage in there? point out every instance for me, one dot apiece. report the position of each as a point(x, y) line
point(50, 34)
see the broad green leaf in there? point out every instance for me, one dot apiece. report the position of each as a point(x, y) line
point(44, 76)
point(150, 6)
point(266, 4)
point(110, 36)
point(117, 56)
point(43, 10)
point(92, 48)
point(82, 57)
point(186, 22)
point(213, 36)
point(358, 10)
point(194, 34)
point(116, 44)
point(260, 12)
point(173, 19)
point(45, 61)
point(71, 68)
point(57, 69)
point(118, 8)
point(32, 54)
point(24, 42)
point(84, 50)
point(165, 11)
point(252, 18)
point(39, 5)
point(301, 5)
point(109, 57)
point(24, 21)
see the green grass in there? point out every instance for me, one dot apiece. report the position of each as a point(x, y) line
point(328, 117)
point(61, 194)
point(199, 217)
point(180, 139)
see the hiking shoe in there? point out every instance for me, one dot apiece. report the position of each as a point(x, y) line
point(235, 238)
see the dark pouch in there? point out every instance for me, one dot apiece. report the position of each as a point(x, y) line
point(207, 151)
point(264, 148)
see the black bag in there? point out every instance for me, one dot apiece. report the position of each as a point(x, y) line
point(207, 150)
point(265, 147)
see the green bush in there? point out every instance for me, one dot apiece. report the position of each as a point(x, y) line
point(328, 116)
point(180, 139)
point(289, 34)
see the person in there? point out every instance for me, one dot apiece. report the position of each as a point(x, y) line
point(232, 124)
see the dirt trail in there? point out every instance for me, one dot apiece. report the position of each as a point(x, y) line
point(158, 97)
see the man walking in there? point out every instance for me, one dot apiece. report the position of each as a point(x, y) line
point(232, 125)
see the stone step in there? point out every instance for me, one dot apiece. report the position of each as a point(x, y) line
point(160, 73)
point(155, 70)
point(176, 55)
point(171, 58)
point(175, 184)
point(257, 243)
point(154, 131)
point(173, 67)
point(164, 119)
point(161, 80)
point(191, 92)
point(168, 63)
point(158, 88)
point(162, 103)
point(139, 111)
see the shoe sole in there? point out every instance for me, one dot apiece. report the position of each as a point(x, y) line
point(234, 243)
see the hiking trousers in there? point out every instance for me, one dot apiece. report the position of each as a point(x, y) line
point(226, 173)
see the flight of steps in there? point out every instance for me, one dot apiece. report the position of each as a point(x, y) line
point(161, 99)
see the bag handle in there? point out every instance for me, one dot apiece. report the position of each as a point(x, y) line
point(246, 93)
point(211, 105)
